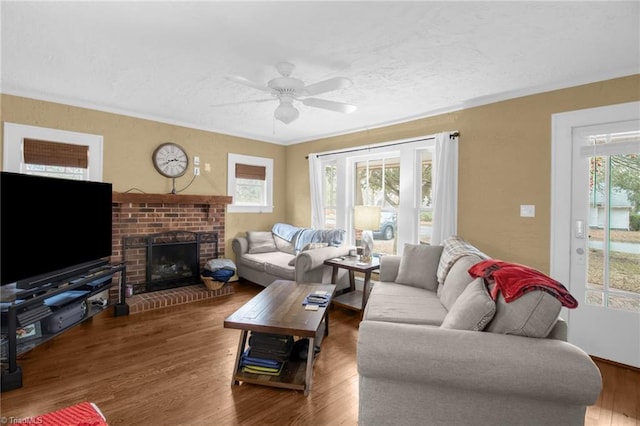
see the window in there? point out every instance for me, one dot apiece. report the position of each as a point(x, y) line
point(330, 195)
point(377, 183)
point(250, 183)
point(52, 152)
point(425, 221)
point(397, 177)
point(414, 182)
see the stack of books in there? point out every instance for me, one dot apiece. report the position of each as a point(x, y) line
point(257, 365)
point(267, 353)
point(318, 298)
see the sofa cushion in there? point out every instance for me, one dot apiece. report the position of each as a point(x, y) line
point(261, 242)
point(400, 303)
point(418, 266)
point(253, 261)
point(472, 310)
point(457, 280)
point(277, 263)
point(284, 245)
point(533, 315)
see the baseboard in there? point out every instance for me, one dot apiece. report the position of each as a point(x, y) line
point(617, 364)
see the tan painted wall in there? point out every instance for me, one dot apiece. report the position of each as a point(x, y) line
point(129, 143)
point(504, 161)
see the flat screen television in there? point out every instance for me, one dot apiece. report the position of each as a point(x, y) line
point(52, 229)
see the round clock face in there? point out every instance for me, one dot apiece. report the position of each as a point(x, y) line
point(170, 160)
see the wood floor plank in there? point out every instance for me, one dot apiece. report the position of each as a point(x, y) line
point(619, 401)
point(173, 366)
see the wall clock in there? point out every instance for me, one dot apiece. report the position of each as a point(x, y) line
point(170, 160)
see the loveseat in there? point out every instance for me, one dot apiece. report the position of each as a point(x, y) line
point(290, 253)
point(434, 348)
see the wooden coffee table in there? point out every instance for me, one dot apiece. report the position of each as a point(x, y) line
point(278, 309)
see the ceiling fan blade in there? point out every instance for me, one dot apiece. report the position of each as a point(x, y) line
point(328, 85)
point(254, 101)
point(247, 82)
point(330, 105)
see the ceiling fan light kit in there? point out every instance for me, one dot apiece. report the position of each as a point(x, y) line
point(287, 89)
point(286, 112)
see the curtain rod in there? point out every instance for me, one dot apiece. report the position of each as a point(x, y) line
point(451, 136)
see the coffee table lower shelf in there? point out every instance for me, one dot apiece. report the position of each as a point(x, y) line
point(292, 377)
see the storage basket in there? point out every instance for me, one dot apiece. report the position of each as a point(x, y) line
point(212, 284)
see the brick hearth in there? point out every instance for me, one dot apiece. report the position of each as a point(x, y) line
point(174, 296)
point(142, 214)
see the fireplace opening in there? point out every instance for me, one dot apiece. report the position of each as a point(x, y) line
point(172, 265)
point(169, 259)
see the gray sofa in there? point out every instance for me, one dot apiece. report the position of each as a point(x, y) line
point(264, 257)
point(435, 349)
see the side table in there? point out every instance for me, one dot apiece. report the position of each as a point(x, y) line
point(353, 299)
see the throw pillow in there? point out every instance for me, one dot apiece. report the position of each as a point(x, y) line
point(453, 249)
point(418, 266)
point(457, 280)
point(472, 310)
point(313, 246)
point(260, 242)
point(284, 245)
point(310, 246)
point(532, 315)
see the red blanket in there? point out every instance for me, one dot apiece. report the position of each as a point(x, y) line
point(514, 280)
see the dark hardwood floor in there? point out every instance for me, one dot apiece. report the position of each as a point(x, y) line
point(173, 367)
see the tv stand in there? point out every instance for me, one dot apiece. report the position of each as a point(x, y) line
point(41, 313)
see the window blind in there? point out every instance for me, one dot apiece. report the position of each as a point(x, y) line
point(246, 171)
point(55, 153)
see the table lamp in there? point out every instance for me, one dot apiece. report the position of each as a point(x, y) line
point(366, 218)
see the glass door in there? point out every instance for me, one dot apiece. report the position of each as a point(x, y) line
point(605, 262)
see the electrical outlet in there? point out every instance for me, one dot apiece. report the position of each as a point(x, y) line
point(196, 171)
point(207, 167)
point(196, 161)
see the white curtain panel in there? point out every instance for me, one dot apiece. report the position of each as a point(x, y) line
point(445, 191)
point(315, 181)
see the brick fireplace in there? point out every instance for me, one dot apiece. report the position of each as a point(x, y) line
point(136, 214)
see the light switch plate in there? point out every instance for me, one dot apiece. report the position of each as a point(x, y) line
point(527, 210)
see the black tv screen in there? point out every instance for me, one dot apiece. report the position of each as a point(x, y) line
point(51, 227)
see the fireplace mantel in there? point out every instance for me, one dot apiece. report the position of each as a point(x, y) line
point(135, 197)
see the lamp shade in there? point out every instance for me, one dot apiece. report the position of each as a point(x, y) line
point(366, 217)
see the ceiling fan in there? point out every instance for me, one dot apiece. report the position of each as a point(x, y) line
point(287, 89)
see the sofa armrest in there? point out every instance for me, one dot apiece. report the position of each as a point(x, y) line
point(311, 259)
point(389, 266)
point(545, 369)
point(240, 246)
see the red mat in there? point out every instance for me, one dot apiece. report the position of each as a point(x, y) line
point(83, 414)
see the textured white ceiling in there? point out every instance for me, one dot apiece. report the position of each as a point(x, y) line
point(167, 61)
